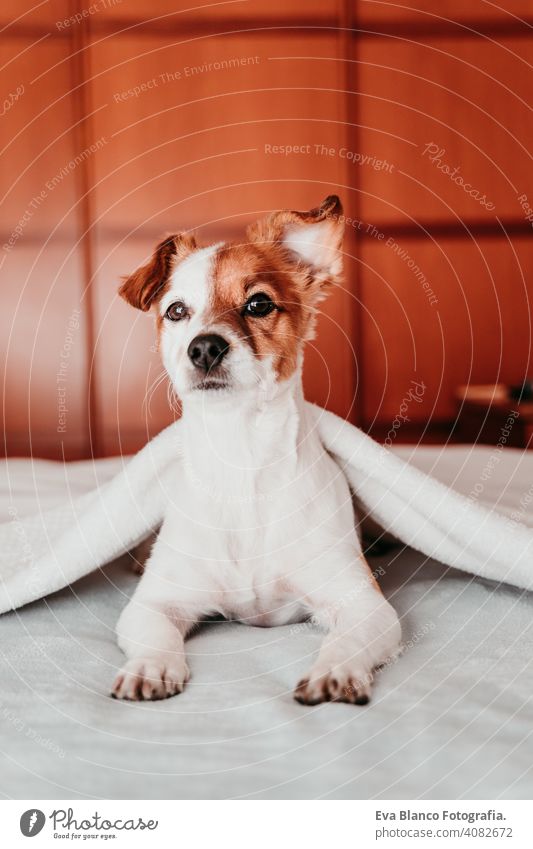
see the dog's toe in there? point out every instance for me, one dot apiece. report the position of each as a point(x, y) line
point(149, 680)
point(330, 687)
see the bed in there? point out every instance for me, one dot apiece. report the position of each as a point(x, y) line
point(452, 718)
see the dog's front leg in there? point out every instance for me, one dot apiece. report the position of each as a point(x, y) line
point(363, 633)
point(152, 636)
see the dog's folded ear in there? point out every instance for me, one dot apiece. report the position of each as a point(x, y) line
point(146, 285)
point(313, 238)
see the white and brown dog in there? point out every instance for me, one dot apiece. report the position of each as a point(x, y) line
point(262, 526)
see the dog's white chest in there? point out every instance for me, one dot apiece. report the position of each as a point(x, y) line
point(245, 552)
point(256, 506)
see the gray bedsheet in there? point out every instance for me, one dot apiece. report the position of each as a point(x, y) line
point(451, 718)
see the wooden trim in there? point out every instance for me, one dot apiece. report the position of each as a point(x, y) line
point(186, 28)
point(411, 29)
point(85, 182)
point(454, 229)
point(464, 229)
point(465, 29)
point(352, 142)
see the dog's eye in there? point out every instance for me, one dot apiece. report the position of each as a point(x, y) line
point(177, 311)
point(259, 305)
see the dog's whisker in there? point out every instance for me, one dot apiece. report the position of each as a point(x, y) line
point(148, 395)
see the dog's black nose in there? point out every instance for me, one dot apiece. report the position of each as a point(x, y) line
point(207, 351)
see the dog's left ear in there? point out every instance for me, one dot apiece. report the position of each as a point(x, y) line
point(148, 283)
point(313, 239)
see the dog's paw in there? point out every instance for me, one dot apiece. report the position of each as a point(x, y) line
point(334, 686)
point(144, 679)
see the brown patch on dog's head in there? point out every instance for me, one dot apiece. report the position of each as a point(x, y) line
point(148, 283)
point(294, 257)
point(241, 271)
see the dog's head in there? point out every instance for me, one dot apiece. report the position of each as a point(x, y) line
point(233, 317)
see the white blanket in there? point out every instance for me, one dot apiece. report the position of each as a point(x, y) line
point(47, 551)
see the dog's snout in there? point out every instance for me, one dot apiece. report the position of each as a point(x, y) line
point(207, 351)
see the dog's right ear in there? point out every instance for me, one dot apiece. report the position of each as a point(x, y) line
point(148, 283)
